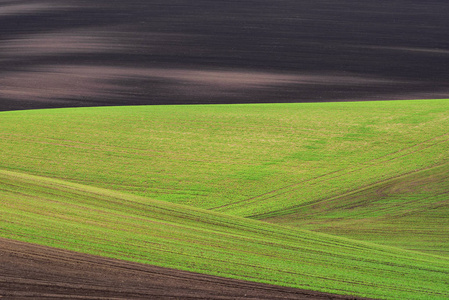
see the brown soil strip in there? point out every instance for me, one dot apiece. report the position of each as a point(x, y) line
point(31, 271)
point(66, 53)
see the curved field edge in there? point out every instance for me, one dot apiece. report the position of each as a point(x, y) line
point(286, 163)
point(31, 271)
point(118, 225)
point(244, 160)
point(410, 211)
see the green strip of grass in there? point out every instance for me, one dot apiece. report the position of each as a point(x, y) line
point(104, 222)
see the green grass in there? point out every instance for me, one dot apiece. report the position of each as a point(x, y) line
point(228, 157)
point(410, 212)
point(103, 222)
point(371, 171)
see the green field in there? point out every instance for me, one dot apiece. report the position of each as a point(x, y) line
point(199, 187)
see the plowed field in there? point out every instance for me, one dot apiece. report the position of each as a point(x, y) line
point(30, 271)
point(65, 53)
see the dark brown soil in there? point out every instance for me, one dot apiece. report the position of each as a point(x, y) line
point(29, 271)
point(60, 53)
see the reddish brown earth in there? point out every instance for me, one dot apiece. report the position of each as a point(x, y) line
point(29, 271)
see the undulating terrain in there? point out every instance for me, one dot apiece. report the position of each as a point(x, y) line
point(241, 191)
point(113, 194)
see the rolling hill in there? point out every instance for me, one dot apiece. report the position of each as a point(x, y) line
point(112, 224)
point(241, 191)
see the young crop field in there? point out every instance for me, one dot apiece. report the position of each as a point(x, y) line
point(103, 222)
point(410, 212)
point(348, 198)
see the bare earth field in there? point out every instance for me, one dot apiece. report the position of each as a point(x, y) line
point(58, 53)
point(31, 271)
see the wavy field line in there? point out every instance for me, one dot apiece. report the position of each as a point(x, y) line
point(112, 224)
point(268, 196)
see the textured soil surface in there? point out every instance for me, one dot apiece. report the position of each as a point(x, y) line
point(68, 53)
point(59, 53)
point(29, 271)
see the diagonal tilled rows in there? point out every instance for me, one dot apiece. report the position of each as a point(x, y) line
point(31, 271)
